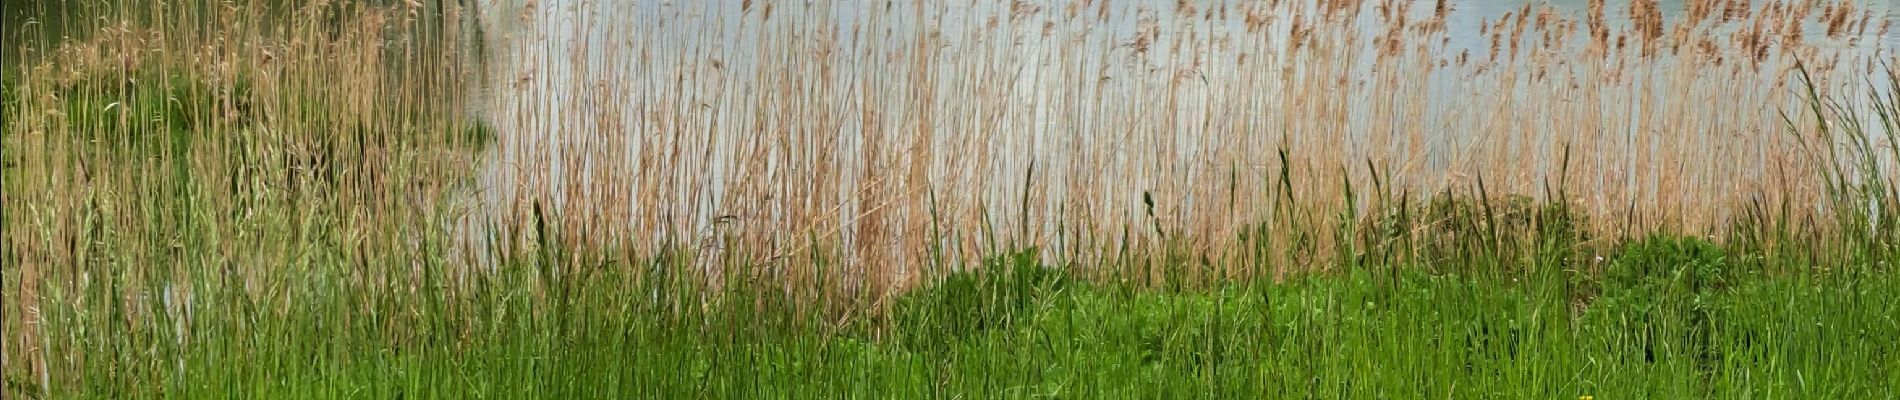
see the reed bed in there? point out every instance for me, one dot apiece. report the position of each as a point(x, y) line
point(1325, 198)
point(881, 132)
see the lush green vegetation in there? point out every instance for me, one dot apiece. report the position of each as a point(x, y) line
point(1513, 306)
point(1670, 320)
point(289, 233)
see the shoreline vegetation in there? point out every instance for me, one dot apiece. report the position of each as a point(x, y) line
point(336, 199)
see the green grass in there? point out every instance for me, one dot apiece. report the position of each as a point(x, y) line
point(1354, 335)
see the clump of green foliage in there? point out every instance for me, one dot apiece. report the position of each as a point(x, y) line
point(150, 107)
point(1664, 263)
point(1005, 291)
point(1665, 286)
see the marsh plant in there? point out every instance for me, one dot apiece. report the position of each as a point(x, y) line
point(1082, 199)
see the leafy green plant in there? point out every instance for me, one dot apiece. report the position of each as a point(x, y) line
point(964, 303)
point(1674, 263)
